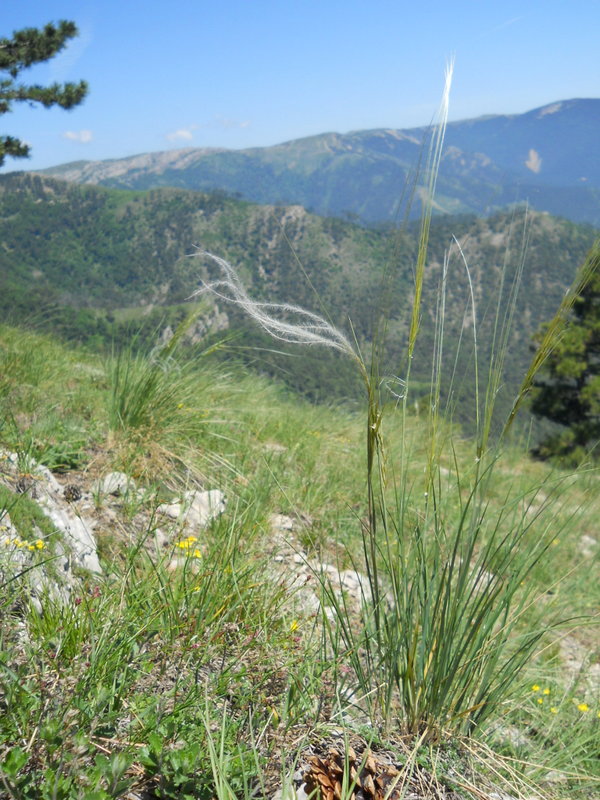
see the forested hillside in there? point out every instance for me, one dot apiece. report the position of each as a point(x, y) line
point(94, 264)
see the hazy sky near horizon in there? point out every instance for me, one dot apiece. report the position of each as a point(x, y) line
point(245, 73)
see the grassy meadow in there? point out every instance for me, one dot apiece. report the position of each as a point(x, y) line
point(197, 668)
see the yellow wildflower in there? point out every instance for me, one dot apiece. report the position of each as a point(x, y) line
point(31, 547)
point(546, 691)
point(553, 710)
point(192, 539)
point(294, 626)
point(40, 544)
point(583, 707)
point(197, 553)
point(540, 700)
point(535, 688)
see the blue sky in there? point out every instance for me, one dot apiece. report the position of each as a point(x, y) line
point(243, 73)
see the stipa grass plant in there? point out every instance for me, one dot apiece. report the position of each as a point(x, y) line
point(163, 409)
point(446, 625)
point(147, 391)
point(451, 624)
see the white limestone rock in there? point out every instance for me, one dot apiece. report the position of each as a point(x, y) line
point(76, 532)
point(47, 563)
point(281, 522)
point(115, 483)
point(196, 509)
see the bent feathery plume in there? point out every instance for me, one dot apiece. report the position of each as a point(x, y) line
point(298, 327)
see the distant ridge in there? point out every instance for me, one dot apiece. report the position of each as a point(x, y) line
point(548, 157)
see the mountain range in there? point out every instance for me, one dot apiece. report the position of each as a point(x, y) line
point(548, 157)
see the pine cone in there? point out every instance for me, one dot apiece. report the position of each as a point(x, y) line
point(72, 492)
point(371, 778)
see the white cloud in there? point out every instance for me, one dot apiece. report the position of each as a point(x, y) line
point(182, 133)
point(83, 136)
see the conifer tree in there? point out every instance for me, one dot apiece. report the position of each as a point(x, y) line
point(27, 47)
point(567, 390)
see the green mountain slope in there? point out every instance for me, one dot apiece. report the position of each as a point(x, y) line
point(100, 255)
point(549, 157)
